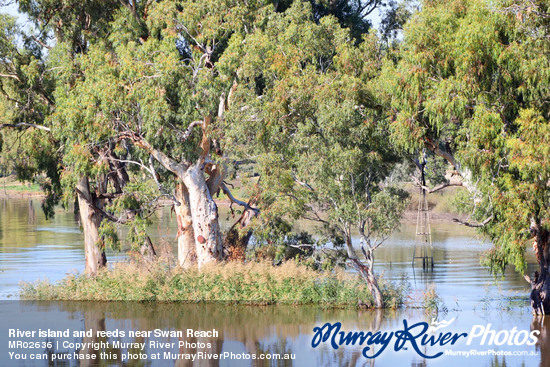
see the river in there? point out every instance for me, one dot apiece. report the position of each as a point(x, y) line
point(32, 248)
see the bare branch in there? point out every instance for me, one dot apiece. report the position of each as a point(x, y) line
point(237, 201)
point(189, 130)
point(99, 210)
point(221, 106)
point(436, 188)
point(167, 162)
point(473, 225)
point(25, 124)
point(41, 43)
point(301, 183)
point(13, 76)
point(152, 172)
point(161, 188)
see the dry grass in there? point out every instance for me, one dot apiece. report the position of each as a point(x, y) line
point(232, 282)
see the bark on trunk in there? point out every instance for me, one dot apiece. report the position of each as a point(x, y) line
point(147, 250)
point(372, 284)
point(540, 284)
point(236, 242)
point(90, 221)
point(187, 255)
point(366, 271)
point(204, 215)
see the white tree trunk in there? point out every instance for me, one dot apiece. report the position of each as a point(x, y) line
point(204, 214)
point(90, 221)
point(367, 273)
point(187, 255)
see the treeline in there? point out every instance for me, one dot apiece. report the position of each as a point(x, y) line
point(120, 106)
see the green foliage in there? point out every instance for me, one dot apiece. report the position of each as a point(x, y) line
point(307, 111)
point(431, 302)
point(25, 98)
point(351, 14)
point(468, 82)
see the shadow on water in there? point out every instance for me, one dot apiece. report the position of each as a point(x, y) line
point(32, 247)
point(252, 330)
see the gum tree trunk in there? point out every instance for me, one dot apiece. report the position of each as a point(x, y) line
point(204, 215)
point(90, 220)
point(366, 272)
point(235, 242)
point(187, 255)
point(540, 284)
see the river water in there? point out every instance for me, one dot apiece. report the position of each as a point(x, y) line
point(32, 248)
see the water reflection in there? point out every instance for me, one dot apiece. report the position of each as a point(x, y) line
point(252, 330)
point(32, 247)
point(543, 344)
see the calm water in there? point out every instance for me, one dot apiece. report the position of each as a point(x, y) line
point(32, 248)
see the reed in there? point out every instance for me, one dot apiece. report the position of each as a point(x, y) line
point(257, 283)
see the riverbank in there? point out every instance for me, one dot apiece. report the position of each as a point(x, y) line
point(440, 204)
point(10, 187)
point(256, 283)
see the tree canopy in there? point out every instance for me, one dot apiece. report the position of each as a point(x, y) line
point(125, 105)
point(471, 84)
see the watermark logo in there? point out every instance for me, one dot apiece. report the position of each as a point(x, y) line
point(417, 336)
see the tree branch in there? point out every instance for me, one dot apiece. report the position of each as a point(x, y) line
point(473, 225)
point(41, 43)
point(237, 201)
point(436, 188)
point(13, 76)
point(161, 188)
point(152, 172)
point(100, 211)
point(189, 130)
point(167, 162)
point(25, 124)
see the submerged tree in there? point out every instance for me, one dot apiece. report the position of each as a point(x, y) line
point(305, 111)
point(38, 66)
point(137, 93)
point(161, 84)
point(471, 84)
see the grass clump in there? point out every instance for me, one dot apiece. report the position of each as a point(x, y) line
point(253, 283)
point(431, 302)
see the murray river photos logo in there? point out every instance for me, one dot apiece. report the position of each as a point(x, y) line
point(417, 336)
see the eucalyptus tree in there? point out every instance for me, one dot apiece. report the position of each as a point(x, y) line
point(144, 86)
point(37, 65)
point(305, 110)
point(471, 84)
point(155, 84)
point(162, 83)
